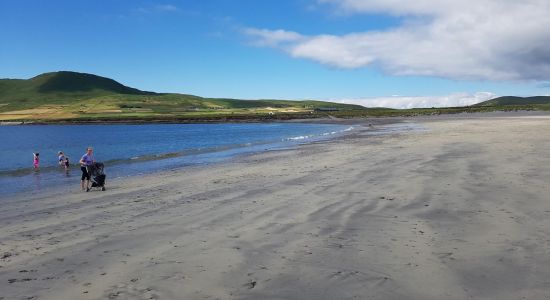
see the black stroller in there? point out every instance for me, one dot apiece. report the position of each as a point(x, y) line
point(97, 175)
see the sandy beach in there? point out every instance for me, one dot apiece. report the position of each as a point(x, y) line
point(460, 210)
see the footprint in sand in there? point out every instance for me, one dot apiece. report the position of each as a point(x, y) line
point(250, 285)
point(359, 277)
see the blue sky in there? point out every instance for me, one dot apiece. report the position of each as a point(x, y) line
point(233, 48)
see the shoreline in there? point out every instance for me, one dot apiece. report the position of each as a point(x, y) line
point(284, 119)
point(365, 125)
point(231, 159)
point(228, 154)
point(458, 211)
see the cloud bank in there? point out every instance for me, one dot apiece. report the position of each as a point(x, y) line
point(499, 40)
point(453, 100)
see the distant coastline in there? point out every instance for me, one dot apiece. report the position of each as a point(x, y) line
point(336, 117)
point(365, 113)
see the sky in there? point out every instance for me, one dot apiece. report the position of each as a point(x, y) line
point(392, 53)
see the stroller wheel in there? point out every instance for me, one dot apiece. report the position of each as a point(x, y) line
point(103, 188)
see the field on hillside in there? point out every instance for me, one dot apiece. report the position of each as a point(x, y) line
point(107, 112)
point(71, 96)
point(127, 107)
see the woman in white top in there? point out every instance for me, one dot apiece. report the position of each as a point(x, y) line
point(86, 161)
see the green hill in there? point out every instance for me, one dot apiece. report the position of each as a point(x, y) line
point(509, 100)
point(71, 82)
point(58, 88)
point(79, 96)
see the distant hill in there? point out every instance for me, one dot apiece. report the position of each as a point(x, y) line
point(63, 82)
point(70, 82)
point(73, 95)
point(510, 100)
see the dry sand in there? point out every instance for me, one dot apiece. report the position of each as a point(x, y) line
point(456, 212)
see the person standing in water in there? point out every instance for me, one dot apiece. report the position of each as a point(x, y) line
point(63, 160)
point(85, 163)
point(36, 161)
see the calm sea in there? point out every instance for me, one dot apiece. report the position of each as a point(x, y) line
point(129, 150)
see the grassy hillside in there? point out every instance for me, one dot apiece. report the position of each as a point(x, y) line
point(79, 96)
point(509, 100)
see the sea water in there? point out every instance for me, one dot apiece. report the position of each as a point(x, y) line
point(131, 150)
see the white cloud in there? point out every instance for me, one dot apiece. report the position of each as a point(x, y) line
point(166, 8)
point(272, 38)
point(467, 39)
point(453, 100)
point(158, 8)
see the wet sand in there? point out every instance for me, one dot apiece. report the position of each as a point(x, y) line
point(459, 211)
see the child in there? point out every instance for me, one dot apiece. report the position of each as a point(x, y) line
point(63, 160)
point(36, 161)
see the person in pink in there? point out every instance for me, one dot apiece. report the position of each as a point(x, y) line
point(36, 161)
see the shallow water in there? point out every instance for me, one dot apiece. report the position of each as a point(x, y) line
point(129, 150)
